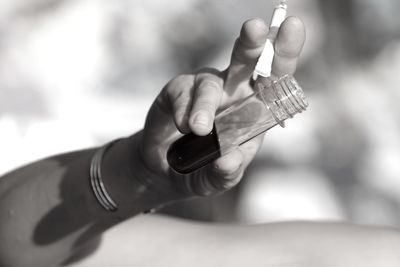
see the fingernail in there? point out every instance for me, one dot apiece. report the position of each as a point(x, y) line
point(201, 119)
point(185, 124)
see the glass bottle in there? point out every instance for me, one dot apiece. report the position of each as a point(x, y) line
point(270, 105)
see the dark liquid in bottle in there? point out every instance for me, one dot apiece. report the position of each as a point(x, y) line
point(192, 152)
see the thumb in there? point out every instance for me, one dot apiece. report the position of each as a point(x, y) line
point(223, 174)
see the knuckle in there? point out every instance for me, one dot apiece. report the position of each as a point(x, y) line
point(205, 104)
point(209, 85)
point(245, 55)
point(180, 99)
point(181, 114)
point(210, 77)
point(226, 179)
point(183, 81)
point(180, 103)
point(286, 52)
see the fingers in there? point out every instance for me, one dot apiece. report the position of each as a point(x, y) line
point(227, 171)
point(250, 44)
point(250, 149)
point(193, 100)
point(224, 173)
point(232, 164)
point(206, 99)
point(179, 92)
point(288, 45)
point(246, 51)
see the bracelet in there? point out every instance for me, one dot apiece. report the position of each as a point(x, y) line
point(99, 190)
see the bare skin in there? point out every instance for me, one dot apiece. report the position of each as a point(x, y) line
point(291, 244)
point(48, 207)
point(48, 212)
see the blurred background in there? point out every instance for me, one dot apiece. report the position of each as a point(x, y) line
point(75, 74)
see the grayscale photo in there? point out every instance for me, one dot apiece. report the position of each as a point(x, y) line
point(199, 133)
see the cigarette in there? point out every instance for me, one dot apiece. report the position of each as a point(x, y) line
point(264, 63)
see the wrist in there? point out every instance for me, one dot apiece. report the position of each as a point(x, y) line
point(122, 177)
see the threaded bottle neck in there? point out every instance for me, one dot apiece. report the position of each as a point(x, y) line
point(284, 98)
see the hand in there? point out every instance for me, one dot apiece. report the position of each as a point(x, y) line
point(188, 103)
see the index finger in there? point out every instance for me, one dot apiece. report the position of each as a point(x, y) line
point(288, 46)
point(247, 49)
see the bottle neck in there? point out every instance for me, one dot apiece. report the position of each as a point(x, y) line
point(284, 98)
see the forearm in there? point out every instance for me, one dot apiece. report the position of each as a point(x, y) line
point(48, 208)
point(163, 241)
